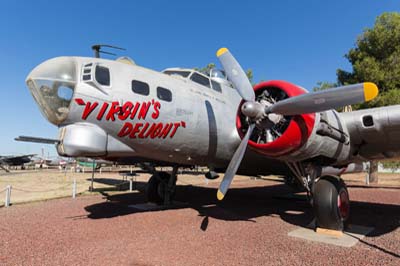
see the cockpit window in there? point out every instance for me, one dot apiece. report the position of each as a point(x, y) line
point(164, 94)
point(184, 74)
point(200, 80)
point(140, 87)
point(216, 73)
point(103, 75)
point(216, 86)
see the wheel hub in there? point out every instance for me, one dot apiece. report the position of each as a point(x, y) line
point(343, 204)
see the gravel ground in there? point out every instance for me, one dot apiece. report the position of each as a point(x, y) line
point(249, 227)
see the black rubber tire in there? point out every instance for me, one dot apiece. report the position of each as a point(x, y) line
point(326, 201)
point(155, 187)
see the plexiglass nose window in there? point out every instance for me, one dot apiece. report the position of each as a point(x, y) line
point(53, 97)
point(52, 85)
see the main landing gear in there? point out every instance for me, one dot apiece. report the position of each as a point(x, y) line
point(331, 203)
point(161, 187)
point(328, 195)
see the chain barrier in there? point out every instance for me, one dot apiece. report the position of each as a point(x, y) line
point(1, 199)
point(7, 190)
point(40, 191)
point(55, 189)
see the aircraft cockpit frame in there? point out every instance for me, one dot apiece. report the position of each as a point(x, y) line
point(215, 80)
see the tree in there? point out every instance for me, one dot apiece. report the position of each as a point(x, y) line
point(392, 165)
point(324, 85)
point(375, 58)
point(205, 69)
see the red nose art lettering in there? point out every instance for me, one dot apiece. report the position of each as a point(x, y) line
point(135, 130)
point(149, 130)
point(126, 111)
point(156, 112)
point(89, 107)
point(132, 111)
point(141, 135)
point(126, 128)
point(115, 109)
point(102, 111)
point(143, 110)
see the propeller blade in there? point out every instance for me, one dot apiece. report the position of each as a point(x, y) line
point(325, 100)
point(234, 164)
point(236, 74)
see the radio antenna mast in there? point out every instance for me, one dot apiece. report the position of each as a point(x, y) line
point(97, 49)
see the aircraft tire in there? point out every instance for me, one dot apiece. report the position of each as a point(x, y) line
point(156, 187)
point(331, 203)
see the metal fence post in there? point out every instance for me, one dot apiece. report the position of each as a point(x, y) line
point(8, 196)
point(130, 185)
point(74, 189)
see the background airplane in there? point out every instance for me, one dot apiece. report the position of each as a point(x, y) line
point(117, 110)
point(20, 160)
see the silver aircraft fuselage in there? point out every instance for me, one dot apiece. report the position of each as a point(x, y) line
point(120, 111)
point(196, 126)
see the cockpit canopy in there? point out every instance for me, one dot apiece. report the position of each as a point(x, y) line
point(214, 79)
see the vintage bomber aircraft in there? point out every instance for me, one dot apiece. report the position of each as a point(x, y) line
point(117, 110)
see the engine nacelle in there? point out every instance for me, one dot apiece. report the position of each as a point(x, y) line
point(322, 137)
point(287, 136)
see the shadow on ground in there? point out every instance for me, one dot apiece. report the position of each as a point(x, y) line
point(246, 204)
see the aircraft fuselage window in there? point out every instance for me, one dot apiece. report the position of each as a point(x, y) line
point(200, 80)
point(216, 86)
point(184, 74)
point(164, 94)
point(140, 87)
point(102, 75)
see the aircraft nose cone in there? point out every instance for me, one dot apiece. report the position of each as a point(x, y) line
point(59, 68)
point(52, 85)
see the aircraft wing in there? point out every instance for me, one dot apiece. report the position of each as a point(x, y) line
point(374, 133)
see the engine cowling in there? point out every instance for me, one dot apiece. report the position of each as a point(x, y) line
point(286, 136)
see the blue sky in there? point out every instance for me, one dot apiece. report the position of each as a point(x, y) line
point(299, 41)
